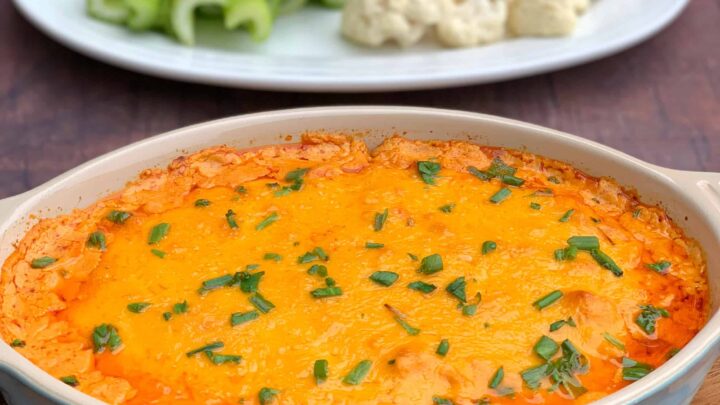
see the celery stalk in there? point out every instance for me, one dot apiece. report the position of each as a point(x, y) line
point(143, 14)
point(182, 17)
point(255, 15)
point(114, 11)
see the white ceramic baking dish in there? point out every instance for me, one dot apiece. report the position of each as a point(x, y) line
point(691, 198)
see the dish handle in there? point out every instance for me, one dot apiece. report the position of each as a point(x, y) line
point(701, 184)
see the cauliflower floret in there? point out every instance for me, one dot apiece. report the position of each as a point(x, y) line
point(374, 22)
point(543, 17)
point(473, 22)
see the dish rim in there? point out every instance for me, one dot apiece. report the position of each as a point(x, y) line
point(356, 84)
point(701, 345)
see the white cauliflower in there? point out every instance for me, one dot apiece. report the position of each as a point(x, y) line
point(473, 22)
point(374, 22)
point(543, 17)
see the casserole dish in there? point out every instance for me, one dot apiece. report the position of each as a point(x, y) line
point(690, 198)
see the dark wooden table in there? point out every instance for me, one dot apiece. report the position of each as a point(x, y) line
point(659, 101)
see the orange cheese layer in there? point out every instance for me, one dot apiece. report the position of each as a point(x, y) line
point(335, 209)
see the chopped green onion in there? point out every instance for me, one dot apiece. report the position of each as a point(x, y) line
point(157, 252)
point(562, 322)
point(584, 242)
point(261, 303)
point(553, 179)
point(357, 374)
point(17, 343)
point(443, 348)
point(207, 348)
point(534, 375)
point(326, 292)
point(318, 269)
point(605, 261)
point(634, 370)
point(374, 245)
point(272, 256)
point(546, 348)
point(566, 216)
point(500, 196)
point(673, 352)
point(548, 300)
point(167, 315)
point(320, 371)
point(659, 267)
point(478, 173)
point(316, 254)
point(270, 219)
point(457, 289)
point(97, 240)
point(104, 337)
point(118, 217)
point(267, 395)
point(231, 220)
point(380, 219)
point(249, 282)
point(488, 247)
point(431, 264)
point(412, 257)
point(447, 208)
point(138, 307)
point(512, 180)
point(535, 206)
point(180, 308)
point(469, 310)
point(385, 278)
point(42, 262)
point(497, 378)
point(613, 341)
point(296, 174)
point(636, 213)
point(70, 380)
point(441, 401)
point(240, 190)
point(157, 233)
point(648, 317)
point(428, 171)
point(222, 358)
point(239, 318)
point(330, 282)
point(422, 287)
point(217, 282)
point(201, 203)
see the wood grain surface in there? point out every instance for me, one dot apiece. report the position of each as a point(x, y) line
point(659, 101)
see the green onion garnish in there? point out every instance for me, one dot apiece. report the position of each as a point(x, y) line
point(457, 289)
point(613, 341)
point(97, 240)
point(534, 375)
point(270, 219)
point(633, 370)
point(648, 317)
point(180, 308)
point(318, 269)
point(222, 358)
point(584, 242)
point(500, 196)
point(497, 378)
point(413, 257)
point(17, 343)
point(157, 233)
point(428, 171)
point(535, 206)
point(239, 318)
point(385, 278)
point(240, 190)
point(562, 322)
point(201, 203)
point(326, 292)
point(261, 303)
point(267, 395)
point(138, 307)
point(553, 179)
point(157, 252)
point(104, 337)
point(636, 213)
point(249, 282)
point(316, 254)
point(441, 401)
point(374, 245)
point(231, 220)
point(380, 219)
point(605, 261)
point(272, 256)
point(443, 348)
point(488, 247)
point(42, 262)
point(548, 300)
point(431, 264)
point(546, 348)
point(447, 208)
point(357, 374)
point(422, 287)
point(118, 217)
point(566, 216)
point(207, 348)
point(659, 267)
point(469, 310)
point(567, 254)
point(512, 180)
point(320, 371)
point(70, 380)
point(167, 315)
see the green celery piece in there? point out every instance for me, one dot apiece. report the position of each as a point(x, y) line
point(255, 15)
point(114, 11)
point(143, 14)
point(182, 17)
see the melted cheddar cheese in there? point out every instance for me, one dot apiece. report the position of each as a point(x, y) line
point(242, 234)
